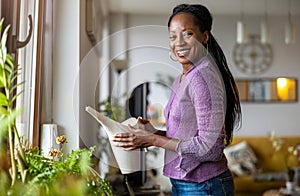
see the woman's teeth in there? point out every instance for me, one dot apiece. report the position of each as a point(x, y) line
point(182, 52)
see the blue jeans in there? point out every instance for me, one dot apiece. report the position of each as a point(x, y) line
point(221, 185)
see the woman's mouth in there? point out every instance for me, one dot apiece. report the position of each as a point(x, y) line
point(183, 52)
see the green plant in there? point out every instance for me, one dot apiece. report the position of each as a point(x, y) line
point(290, 154)
point(8, 81)
point(112, 108)
point(72, 175)
point(30, 172)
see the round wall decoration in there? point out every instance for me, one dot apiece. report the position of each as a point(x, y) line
point(253, 57)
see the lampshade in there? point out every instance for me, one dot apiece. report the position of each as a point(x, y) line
point(264, 27)
point(264, 32)
point(241, 33)
point(290, 33)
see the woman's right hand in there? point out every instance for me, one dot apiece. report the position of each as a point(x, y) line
point(136, 138)
point(145, 124)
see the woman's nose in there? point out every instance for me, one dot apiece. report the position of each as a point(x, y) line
point(179, 41)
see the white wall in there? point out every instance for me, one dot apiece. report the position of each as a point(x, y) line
point(65, 69)
point(259, 119)
point(148, 55)
point(88, 83)
point(76, 72)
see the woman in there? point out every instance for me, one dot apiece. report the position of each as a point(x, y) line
point(201, 113)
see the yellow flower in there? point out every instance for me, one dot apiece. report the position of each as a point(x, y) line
point(276, 141)
point(292, 150)
point(61, 139)
point(53, 153)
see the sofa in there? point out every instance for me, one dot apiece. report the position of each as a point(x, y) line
point(269, 167)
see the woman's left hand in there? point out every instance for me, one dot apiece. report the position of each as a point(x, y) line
point(137, 138)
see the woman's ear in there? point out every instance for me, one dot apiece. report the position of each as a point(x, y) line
point(206, 37)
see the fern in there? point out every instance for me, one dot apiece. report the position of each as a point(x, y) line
point(31, 173)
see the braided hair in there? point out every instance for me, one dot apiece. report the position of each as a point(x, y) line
point(203, 19)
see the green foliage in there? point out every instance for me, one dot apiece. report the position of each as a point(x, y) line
point(112, 108)
point(9, 72)
point(48, 174)
point(31, 173)
point(72, 175)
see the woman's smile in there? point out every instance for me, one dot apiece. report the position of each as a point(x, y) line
point(183, 52)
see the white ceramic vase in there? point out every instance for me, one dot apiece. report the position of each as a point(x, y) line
point(290, 185)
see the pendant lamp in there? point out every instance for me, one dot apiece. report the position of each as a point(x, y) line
point(264, 27)
point(241, 33)
point(290, 31)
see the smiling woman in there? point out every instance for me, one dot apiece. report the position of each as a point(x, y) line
point(201, 112)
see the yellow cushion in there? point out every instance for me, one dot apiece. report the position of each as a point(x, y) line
point(268, 159)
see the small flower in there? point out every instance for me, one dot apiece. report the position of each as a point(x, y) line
point(61, 139)
point(277, 144)
point(292, 150)
point(276, 141)
point(53, 153)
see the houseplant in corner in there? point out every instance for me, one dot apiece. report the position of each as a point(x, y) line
point(27, 172)
point(291, 162)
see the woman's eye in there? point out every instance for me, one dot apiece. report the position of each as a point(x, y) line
point(187, 34)
point(172, 37)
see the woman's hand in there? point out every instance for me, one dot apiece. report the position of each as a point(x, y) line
point(137, 138)
point(143, 135)
point(145, 124)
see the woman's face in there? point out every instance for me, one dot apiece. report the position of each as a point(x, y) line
point(186, 39)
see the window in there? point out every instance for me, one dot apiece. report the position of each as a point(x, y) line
point(16, 13)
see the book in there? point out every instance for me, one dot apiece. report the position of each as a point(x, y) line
point(128, 161)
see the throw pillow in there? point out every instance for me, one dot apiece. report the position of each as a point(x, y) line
point(241, 159)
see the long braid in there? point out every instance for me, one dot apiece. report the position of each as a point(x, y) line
point(233, 109)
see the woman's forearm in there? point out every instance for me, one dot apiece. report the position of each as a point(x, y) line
point(160, 140)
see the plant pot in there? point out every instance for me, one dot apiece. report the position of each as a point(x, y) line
point(290, 186)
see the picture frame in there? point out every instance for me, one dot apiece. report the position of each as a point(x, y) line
point(267, 90)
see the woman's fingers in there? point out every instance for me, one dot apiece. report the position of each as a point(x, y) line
point(124, 140)
point(143, 121)
point(136, 138)
point(123, 137)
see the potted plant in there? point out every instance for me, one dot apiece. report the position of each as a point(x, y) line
point(27, 171)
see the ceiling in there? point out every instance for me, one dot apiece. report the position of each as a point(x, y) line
point(217, 7)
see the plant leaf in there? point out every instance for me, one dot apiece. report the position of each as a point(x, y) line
point(15, 97)
point(8, 121)
point(1, 84)
point(15, 86)
point(3, 41)
point(3, 100)
point(1, 24)
point(3, 111)
point(10, 60)
point(8, 68)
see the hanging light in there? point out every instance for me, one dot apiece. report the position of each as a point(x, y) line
point(241, 32)
point(241, 28)
point(264, 28)
point(290, 31)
